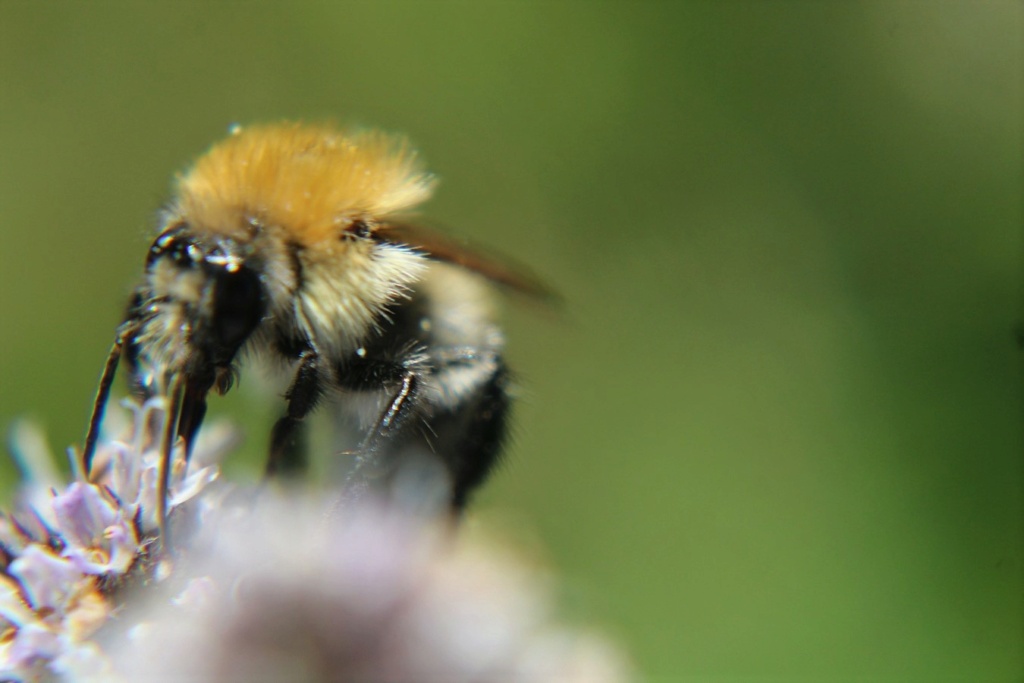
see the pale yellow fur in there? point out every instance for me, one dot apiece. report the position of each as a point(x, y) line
point(289, 191)
point(311, 180)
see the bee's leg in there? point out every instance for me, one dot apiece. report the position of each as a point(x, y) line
point(170, 429)
point(465, 421)
point(287, 441)
point(468, 434)
point(99, 405)
point(375, 375)
point(395, 413)
point(193, 410)
point(401, 374)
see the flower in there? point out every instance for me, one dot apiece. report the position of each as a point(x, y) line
point(49, 607)
point(371, 595)
point(70, 552)
point(260, 584)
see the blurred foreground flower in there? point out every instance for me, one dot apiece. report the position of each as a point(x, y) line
point(261, 586)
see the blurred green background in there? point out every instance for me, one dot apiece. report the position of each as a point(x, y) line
point(778, 433)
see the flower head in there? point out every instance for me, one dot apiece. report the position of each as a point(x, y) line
point(70, 550)
point(262, 585)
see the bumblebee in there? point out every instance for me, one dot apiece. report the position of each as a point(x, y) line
point(291, 242)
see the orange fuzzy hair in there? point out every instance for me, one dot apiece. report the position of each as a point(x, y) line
point(308, 180)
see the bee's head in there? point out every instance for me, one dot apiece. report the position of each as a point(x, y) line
point(203, 295)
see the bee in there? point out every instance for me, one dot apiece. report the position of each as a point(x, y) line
point(292, 242)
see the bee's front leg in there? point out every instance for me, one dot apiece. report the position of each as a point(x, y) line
point(287, 440)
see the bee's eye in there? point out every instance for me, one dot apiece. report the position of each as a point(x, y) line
point(358, 229)
point(175, 244)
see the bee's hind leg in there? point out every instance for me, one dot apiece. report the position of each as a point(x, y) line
point(469, 436)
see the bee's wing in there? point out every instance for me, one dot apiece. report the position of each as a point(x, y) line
point(441, 247)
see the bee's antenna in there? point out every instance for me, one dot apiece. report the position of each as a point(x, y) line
point(167, 456)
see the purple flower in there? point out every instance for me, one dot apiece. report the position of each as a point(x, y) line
point(261, 584)
point(51, 608)
point(70, 551)
point(97, 537)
